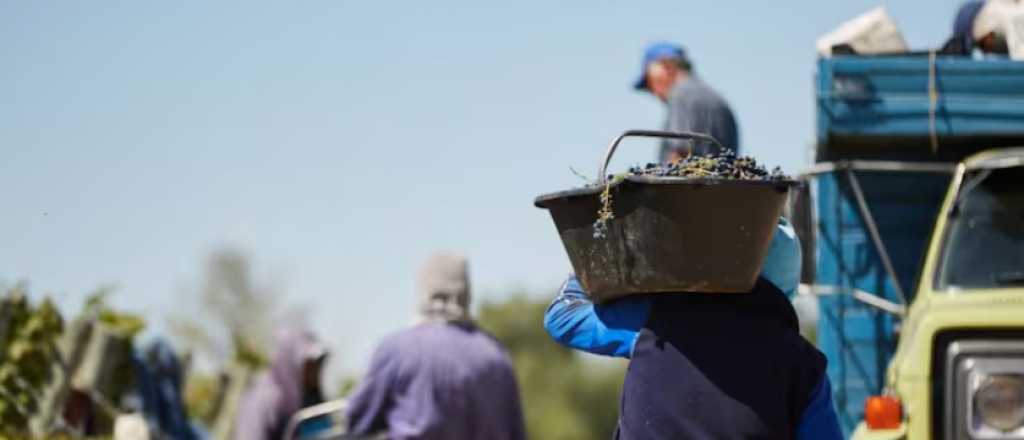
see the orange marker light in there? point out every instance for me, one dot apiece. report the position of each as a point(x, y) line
point(883, 412)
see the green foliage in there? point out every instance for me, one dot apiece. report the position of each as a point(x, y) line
point(201, 397)
point(346, 386)
point(248, 353)
point(4, 436)
point(565, 396)
point(236, 313)
point(232, 328)
point(27, 337)
point(128, 324)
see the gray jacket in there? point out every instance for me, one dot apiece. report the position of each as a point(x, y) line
point(694, 106)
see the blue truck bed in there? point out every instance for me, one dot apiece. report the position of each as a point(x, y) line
point(880, 106)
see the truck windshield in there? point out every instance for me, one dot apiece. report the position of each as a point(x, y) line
point(984, 245)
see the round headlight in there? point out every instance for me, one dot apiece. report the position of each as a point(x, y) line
point(1000, 402)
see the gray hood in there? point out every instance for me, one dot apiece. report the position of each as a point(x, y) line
point(277, 394)
point(442, 287)
point(294, 345)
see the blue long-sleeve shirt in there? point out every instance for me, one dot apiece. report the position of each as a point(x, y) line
point(612, 328)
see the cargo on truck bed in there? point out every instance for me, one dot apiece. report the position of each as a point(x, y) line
point(919, 107)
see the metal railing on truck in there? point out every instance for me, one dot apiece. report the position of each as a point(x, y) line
point(864, 228)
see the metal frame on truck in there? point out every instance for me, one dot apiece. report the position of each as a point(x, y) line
point(864, 229)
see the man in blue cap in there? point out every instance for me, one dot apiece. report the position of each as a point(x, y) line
point(706, 365)
point(667, 73)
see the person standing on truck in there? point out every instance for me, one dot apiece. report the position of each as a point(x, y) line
point(983, 25)
point(709, 365)
point(444, 378)
point(668, 74)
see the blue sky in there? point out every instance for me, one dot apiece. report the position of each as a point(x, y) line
point(340, 142)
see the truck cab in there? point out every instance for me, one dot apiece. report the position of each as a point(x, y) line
point(958, 369)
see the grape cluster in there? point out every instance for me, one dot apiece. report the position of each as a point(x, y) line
point(726, 165)
point(27, 338)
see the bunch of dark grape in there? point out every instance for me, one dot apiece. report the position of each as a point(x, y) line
point(27, 352)
point(726, 165)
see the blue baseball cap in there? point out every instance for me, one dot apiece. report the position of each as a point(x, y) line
point(654, 52)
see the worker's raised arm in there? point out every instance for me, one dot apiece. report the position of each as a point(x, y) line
point(608, 329)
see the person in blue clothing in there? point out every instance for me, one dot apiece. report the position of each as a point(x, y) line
point(709, 366)
point(983, 25)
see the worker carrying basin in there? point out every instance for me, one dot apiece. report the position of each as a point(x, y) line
point(703, 224)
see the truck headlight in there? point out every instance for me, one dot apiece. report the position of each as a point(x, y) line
point(983, 390)
point(999, 401)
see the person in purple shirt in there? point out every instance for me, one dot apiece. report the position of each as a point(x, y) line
point(444, 378)
point(709, 366)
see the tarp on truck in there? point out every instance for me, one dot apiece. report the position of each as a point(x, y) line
point(917, 107)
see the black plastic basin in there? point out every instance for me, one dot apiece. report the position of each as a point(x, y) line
point(669, 234)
